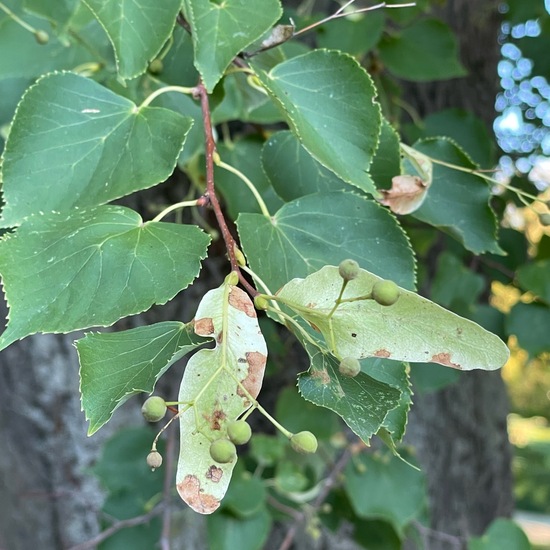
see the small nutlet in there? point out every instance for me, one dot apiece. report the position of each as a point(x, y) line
point(349, 366)
point(154, 409)
point(223, 451)
point(304, 443)
point(544, 219)
point(154, 460)
point(42, 37)
point(232, 279)
point(260, 302)
point(348, 269)
point(156, 66)
point(386, 293)
point(239, 432)
point(239, 256)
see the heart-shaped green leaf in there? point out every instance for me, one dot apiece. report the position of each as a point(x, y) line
point(90, 268)
point(116, 365)
point(74, 143)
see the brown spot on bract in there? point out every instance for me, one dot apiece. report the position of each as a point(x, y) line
point(214, 474)
point(382, 353)
point(445, 359)
point(315, 328)
point(204, 327)
point(240, 300)
point(406, 195)
point(190, 491)
point(321, 375)
point(215, 419)
point(256, 367)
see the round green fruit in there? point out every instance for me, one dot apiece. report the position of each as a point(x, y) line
point(239, 432)
point(42, 37)
point(386, 293)
point(156, 66)
point(349, 366)
point(304, 443)
point(154, 409)
point(223, 451)
point(348, 269)
point(260, 302)
point(154, 460)
point(544, 219)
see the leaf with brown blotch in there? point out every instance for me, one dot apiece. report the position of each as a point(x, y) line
point(406, 195)
point(220, 384)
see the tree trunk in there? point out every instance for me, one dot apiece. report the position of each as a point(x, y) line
point(460, 432)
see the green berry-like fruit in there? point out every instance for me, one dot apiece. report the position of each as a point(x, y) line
point(154, 460)
point(348, 269)
point(223, 451)
point(154, 409)
point(386, 293)
point(239, 432)
point(156, 66)
point(42, 37)
point(349, 366)
point(304, 443)
point(544, 219)
point(260, 302)
point(232, 279)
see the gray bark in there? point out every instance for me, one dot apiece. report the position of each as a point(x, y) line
point(460, 432)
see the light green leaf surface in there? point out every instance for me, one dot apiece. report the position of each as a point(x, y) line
point(293, 172)
point(458, 202)
point(413, 329)
point(219, 384)
point(385, 487)
point(73, 143)
point(137, 29)
point(311, 89)
point(326, 228)
point(362, 401)
point(116, 365)
point(221, 30)
point(67, 272)
point(426, 50)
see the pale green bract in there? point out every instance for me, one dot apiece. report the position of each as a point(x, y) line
point(218, 386)
point(413, 329)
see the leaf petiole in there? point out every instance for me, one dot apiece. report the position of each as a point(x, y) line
point(166, 89)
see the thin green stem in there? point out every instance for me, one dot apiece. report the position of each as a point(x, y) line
point(177, 415)
point(165, 90)
point(485, 177)
point(17, 19)
point(173, 207)
point(338, 300)
point(248, 183)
